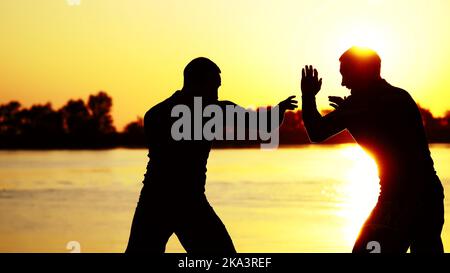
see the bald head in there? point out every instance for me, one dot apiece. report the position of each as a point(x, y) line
point(202, 78)
point(359, 67)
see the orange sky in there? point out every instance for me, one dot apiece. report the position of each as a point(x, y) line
point(136, 50)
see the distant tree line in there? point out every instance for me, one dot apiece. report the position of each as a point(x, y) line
point(78, 124)
point(89, 125)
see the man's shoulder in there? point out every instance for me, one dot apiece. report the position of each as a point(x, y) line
point(162, 108)
point(396, 94)
point(154, 111)
point(224, 103)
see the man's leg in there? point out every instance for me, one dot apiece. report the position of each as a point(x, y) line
point(200, 230)
point(385, 228)
point(151, 227)
point(428, 227)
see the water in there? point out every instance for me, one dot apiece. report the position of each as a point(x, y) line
point(298, 199)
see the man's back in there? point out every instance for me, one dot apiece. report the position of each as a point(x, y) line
point(387, 123)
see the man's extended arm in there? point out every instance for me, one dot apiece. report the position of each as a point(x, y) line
point(281, 108)
point(319, 128)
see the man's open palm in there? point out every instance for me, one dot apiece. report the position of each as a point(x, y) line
point(310, 83)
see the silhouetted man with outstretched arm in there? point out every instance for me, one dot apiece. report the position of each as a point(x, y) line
point(386, 122)
point(173, 197)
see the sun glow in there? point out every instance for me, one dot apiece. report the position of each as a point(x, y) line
point(366, 37)
point(360, 192)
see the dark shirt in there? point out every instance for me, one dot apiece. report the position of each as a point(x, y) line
point(387, 123)
point(178, 165)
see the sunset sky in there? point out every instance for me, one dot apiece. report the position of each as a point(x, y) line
point(135, 50)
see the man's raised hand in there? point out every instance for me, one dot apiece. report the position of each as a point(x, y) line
point(310, 83)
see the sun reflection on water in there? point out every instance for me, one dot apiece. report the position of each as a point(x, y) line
point(360, 191)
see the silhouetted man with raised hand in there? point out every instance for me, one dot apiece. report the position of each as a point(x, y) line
point(386, 122)
point(173, 197)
